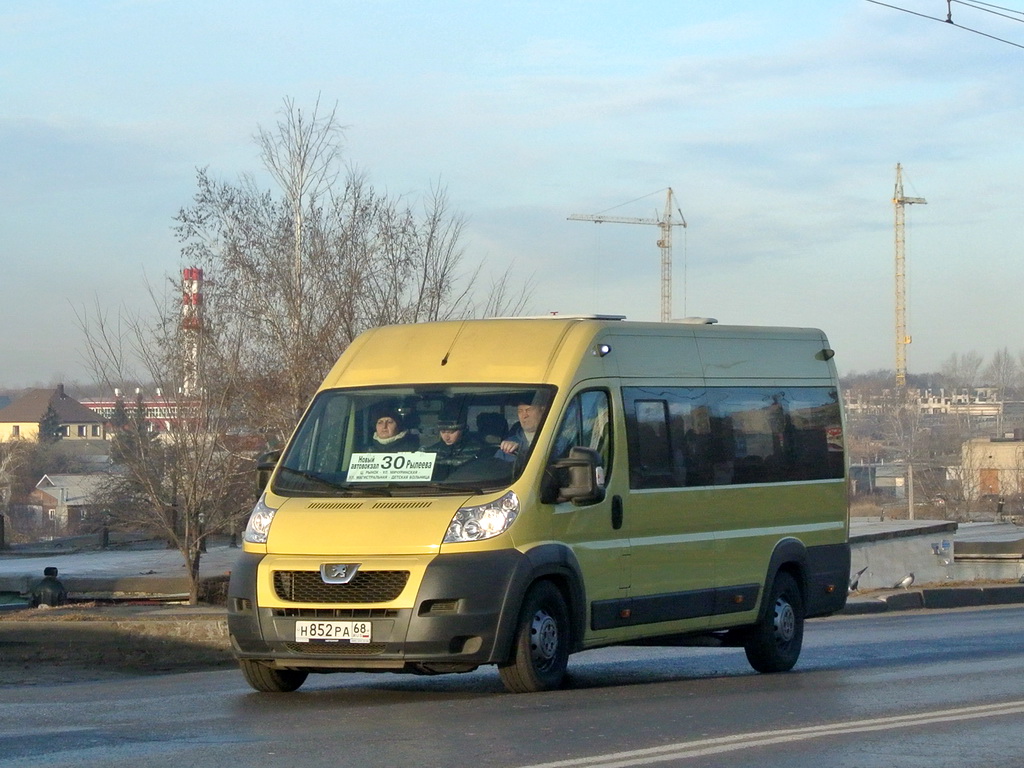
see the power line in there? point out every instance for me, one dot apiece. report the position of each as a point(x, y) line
point(949, 19)
point(978, 5)
point(984, 8)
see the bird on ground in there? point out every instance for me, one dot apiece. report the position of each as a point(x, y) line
point(855, 579)
point(905, 582)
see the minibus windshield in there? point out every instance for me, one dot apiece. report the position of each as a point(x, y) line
point(410, 440)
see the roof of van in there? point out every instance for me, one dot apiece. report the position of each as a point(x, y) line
point(553, 348)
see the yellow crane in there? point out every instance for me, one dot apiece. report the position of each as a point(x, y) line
point(899, 201)
point(666, 223)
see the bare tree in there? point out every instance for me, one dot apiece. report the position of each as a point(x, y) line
point(194, 479)
point(961, 373)
point(291, 279)
point(12, 455)
point(295, 277)
point(1003, 372)
point(902, 420)
point(962, 370)
point(966, 491)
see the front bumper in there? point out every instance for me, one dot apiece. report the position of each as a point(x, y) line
point(463, 615)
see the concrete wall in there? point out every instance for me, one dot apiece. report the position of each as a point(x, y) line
point(893, 549)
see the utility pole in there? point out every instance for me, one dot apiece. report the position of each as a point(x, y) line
point(665, 223)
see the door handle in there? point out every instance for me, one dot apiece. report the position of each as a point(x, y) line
point(616, 512)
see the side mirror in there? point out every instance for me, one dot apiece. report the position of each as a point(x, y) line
point(264, 469)
point(574, 479)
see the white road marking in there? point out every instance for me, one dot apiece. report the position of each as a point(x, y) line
point(704, 747)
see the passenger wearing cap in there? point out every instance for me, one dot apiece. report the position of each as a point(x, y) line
point(456, 446)
point(389, 435)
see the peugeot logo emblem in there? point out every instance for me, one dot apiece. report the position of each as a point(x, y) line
point(338, 573)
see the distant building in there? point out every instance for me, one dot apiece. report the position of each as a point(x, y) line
point(65, 501)
point(885, 479)
point(992, 466)
point(20, 419)
point(981, 403)
point(161, 414)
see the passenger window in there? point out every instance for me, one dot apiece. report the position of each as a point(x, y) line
point(691, 436)
point(586, 424)
point(650, 464)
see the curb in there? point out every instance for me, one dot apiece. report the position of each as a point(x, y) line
point(938, 598)
point(144, 640)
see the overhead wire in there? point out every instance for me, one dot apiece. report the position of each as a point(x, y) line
point(949, 17)
point(977, 4)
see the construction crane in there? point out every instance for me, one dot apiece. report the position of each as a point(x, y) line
point(666, 223)
point(899, 201)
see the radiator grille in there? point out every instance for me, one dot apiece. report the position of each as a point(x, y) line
point(365, 587)
point(337, 649)
point(336, 613)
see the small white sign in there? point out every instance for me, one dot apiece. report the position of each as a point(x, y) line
point(391, 467)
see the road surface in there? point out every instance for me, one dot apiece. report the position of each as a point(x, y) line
point(924, 688)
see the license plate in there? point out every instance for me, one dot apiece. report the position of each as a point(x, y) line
point(332, 631)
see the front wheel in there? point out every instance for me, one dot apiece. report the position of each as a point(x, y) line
point(269, 680)
point(541, 650)
point(774, 643)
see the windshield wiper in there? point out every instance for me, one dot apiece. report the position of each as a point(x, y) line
point(315, 477)
point(447, 489)
point(365, 489)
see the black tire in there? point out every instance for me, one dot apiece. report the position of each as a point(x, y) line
point(269, 680)
point(774, 643)
point(540, 652)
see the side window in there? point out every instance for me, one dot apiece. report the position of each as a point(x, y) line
point(817, 445)
point(586, 424)
point(691, 436)
point(650, 446)
point(652, 468)
point(769, 435)
point(669, 434)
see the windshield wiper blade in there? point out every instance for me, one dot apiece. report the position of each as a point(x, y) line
point(315, 477)
point(441, 487)
point(365, 489)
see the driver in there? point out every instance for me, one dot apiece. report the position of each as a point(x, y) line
point(521, 437)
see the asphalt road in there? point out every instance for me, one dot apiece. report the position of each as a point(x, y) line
point(922, 688)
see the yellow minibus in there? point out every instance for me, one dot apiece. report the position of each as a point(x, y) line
point(511, 491)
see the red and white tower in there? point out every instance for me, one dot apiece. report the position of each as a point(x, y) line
point(191, 326)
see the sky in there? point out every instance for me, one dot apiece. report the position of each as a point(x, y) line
point(777, 125)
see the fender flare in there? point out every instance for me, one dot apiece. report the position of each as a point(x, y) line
point(789, 554)
point(554, 561)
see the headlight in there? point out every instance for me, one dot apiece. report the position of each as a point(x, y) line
point(483, 522)
point(258, 527)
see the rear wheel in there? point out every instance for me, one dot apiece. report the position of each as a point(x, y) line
point(269, 680)
point(541, 650)
point(774, 643)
